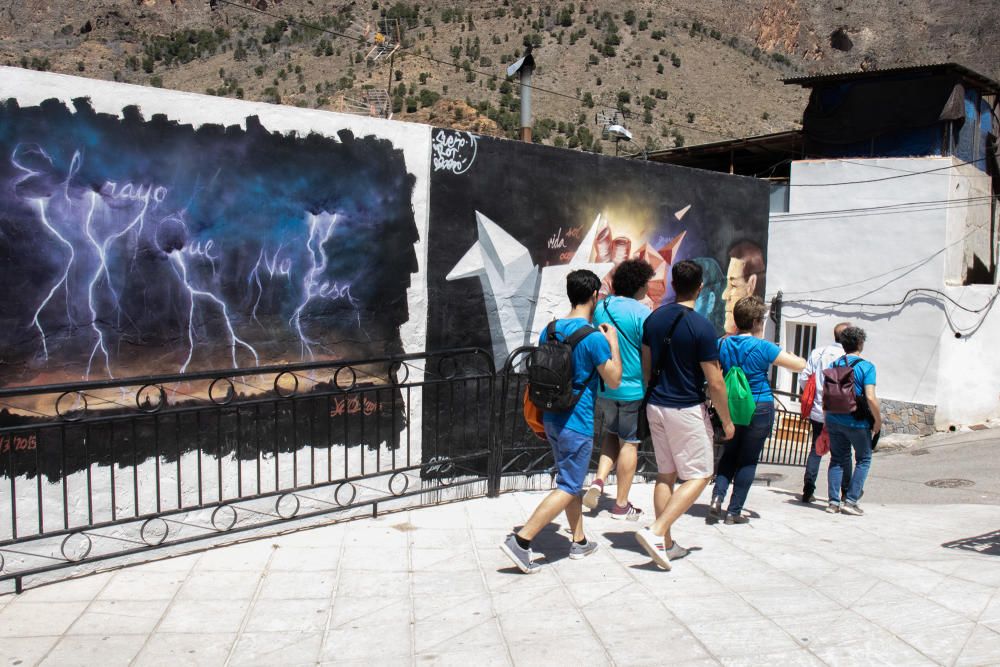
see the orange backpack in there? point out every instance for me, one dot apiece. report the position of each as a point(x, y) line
point(533, 416)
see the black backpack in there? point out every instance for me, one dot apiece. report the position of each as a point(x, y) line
point(550, 370)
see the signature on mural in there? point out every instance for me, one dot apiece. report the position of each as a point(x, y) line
point(453, 151)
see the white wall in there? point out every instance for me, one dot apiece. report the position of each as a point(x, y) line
point(866, 231)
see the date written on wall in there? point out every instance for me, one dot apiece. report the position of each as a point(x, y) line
point(18, 443)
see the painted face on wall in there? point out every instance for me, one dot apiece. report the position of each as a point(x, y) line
point(737, 287)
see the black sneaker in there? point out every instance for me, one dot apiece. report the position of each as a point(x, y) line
point(807, 493)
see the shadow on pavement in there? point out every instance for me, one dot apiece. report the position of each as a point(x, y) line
point(624, 540)
point(988, 544)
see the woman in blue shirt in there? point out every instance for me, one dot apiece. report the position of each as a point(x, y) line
point(754, 355)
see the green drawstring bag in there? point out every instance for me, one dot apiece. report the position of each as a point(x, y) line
point(741, 401)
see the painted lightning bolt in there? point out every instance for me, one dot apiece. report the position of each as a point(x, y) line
point(320, 229)
point(180, 267)
point(40, 203)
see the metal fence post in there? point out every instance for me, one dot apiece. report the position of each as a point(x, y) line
point(495, 458)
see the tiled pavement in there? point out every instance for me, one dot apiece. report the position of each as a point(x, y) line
point(429, 586)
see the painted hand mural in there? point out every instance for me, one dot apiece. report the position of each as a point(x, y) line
point(137, 246)
point(562, 211)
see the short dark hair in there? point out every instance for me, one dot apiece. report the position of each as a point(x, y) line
point(852, 338)
point(748, 311)
point(631, 276)
point(839, 329)
point(686, 277)
point(581, 285)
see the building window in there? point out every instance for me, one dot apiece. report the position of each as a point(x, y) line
point(779, 197)
point(801, 341)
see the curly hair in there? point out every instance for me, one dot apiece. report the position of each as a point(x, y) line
point(852, 338)
point(631, 276)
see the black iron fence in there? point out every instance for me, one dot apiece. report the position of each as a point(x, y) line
point(98, 470)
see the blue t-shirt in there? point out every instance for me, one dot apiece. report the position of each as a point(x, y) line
point(864, 373)
point(588, 354)
point(682, 381)
point(628, 316)
point(754, 356)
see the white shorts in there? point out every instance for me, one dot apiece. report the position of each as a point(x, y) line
point(682, 441)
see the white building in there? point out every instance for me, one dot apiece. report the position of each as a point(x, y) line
point(885, 215)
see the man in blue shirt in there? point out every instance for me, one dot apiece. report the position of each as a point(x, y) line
point(679, 345)
point(855, 430)
point(571, 433)
point(616, 416)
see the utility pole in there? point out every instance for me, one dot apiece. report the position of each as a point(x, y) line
point(524, 67)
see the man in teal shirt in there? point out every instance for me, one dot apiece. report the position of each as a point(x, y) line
point(616, 413)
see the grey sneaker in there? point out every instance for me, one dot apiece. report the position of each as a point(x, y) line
point(676, 551)
point(521, 557)
point(715, 508)
point(653, 545)
point(736, 518)
point(833, 508)
point(852, 509)
point(578, 551)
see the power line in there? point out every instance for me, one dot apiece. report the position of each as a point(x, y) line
point(906, 297)
point(886, 178)
point(905, 207)
point(447, 63)
point(911, 265)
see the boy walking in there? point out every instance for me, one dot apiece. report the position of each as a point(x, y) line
point(571, 433)
point(617, 410)
point(855, 430)
point(679, 354)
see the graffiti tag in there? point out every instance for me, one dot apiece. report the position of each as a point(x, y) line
point(453, 151)
point(355, 406)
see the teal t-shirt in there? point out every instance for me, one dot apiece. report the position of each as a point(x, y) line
point(864, 373)
point(588, 354)
point(755, 356)
point(627, 316)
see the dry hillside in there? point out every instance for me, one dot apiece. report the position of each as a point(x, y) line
point(686, 70)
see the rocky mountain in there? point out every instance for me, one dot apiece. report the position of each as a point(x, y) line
point(682, 71)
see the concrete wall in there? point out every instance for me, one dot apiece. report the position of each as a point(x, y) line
point(858, 237)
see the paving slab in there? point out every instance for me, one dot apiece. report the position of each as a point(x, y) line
point(795, 586)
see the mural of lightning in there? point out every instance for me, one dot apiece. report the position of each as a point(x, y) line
point(138, 247)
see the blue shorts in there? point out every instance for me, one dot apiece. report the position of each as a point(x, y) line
point(571, 451)
point(618, 417)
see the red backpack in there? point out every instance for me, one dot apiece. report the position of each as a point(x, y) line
point(838, 387)
point(808, 397)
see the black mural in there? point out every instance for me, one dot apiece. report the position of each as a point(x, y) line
point(135, 246)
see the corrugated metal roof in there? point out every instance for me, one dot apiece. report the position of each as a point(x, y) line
point(982, 82)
